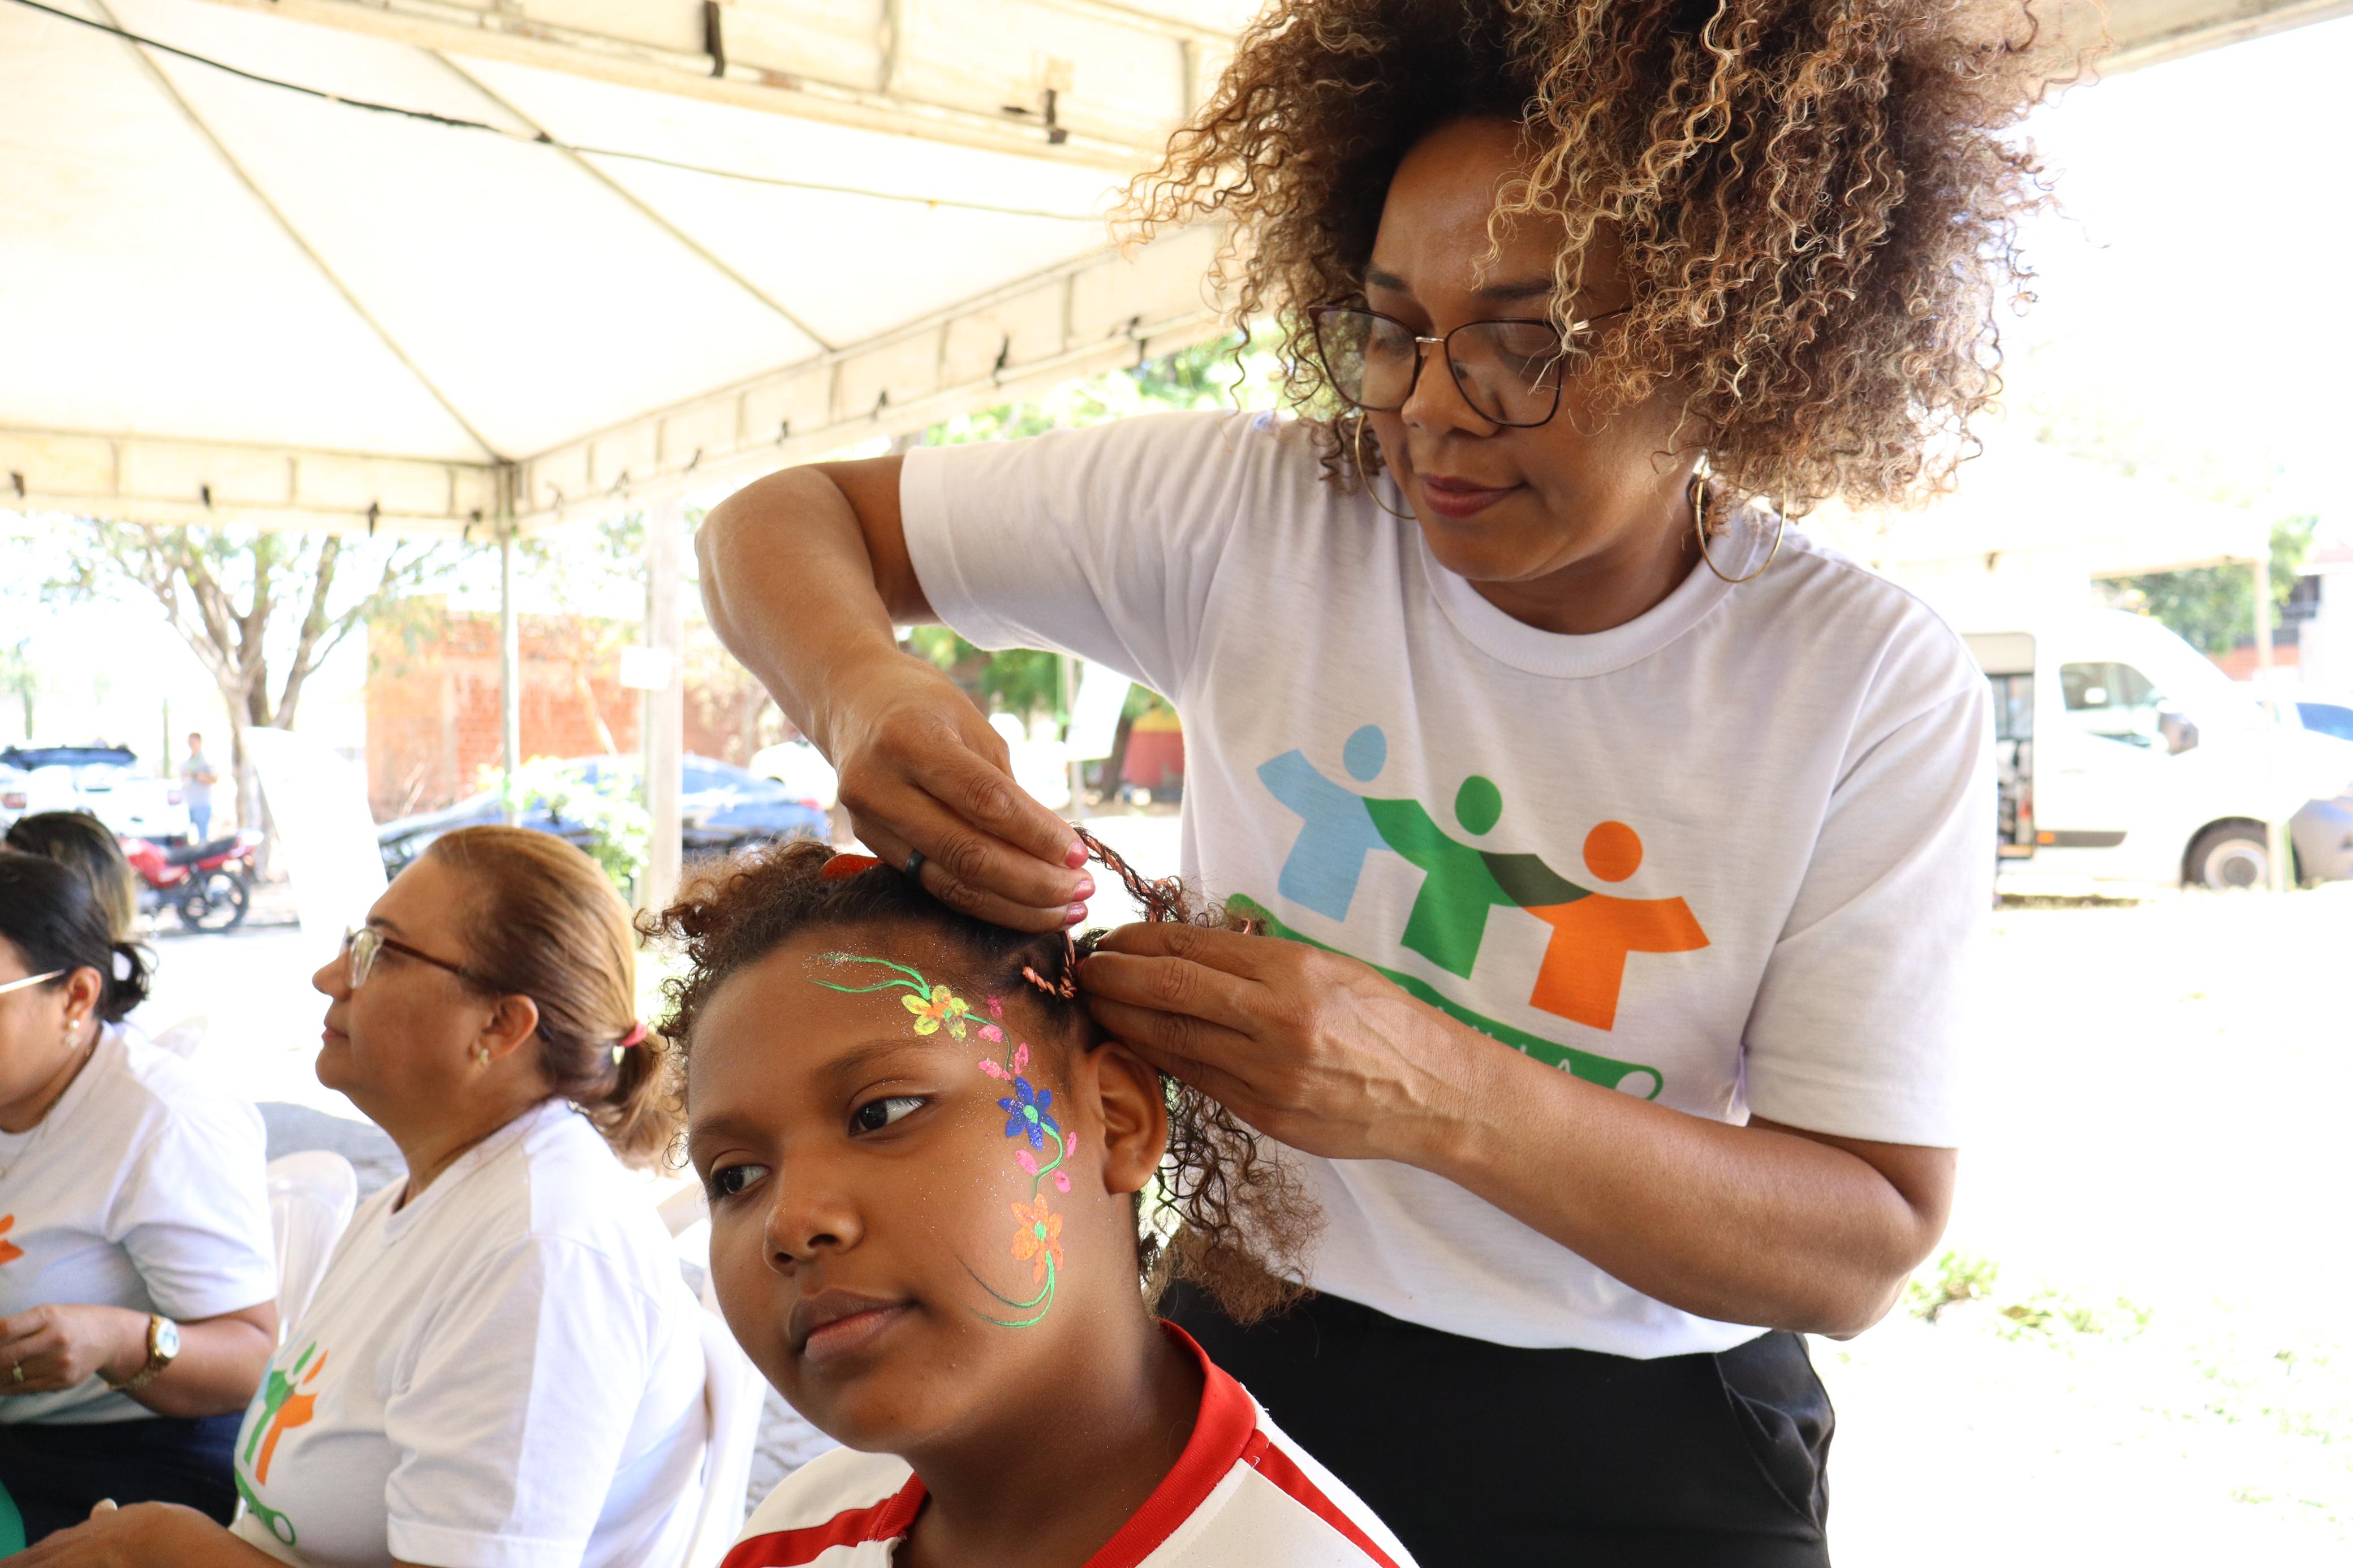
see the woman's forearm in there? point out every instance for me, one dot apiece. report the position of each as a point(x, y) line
point(791, 588)
point(1752, 1225)
point(220, 1363)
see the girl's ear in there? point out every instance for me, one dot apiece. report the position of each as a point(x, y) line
point(1134, 1116)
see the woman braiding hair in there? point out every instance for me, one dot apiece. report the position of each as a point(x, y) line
point(1631, 846)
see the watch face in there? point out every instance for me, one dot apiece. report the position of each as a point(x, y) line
point(167, 1339)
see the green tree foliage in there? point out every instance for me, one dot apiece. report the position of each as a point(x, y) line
point(1223, 373)
point(2212, 607)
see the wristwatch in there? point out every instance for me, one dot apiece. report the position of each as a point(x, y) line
point(162, 1345)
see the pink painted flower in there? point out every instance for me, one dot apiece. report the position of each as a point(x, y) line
point(1069, 1142)
point(992, 1033)
point(1020, 1058)
point(988, 1065)
point(1061, 1180)
point(997, 1008)
point(1025, 1160)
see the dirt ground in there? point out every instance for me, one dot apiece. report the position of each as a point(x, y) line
point(2145, 1356)
point(2141, 1349)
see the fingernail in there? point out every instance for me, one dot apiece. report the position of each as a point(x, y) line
point(1074, 914)
point(1075, 856)
point(1085, 889)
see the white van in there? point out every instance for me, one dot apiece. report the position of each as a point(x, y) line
point(2125, 757)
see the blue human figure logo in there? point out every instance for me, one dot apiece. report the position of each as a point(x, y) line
point(1336, 830)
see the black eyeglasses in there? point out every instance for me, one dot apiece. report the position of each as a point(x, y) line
point(1510, 372)
point(362, 947)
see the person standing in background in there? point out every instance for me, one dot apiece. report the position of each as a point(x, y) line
point(197, 776)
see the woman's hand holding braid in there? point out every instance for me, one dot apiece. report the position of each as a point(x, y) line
point(1311, 1047)
point(804, 573)
point(922, 770)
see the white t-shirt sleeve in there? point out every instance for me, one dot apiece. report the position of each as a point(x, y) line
point(1102, 542)
point(1858, 1027)
point(512, 1421)
point(193, 1212)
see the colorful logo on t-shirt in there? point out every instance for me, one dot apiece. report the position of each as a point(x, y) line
point(284, 1406)
point(1593, 932)
point(9, 1251)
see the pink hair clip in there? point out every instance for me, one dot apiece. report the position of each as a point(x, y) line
point(635, 1037)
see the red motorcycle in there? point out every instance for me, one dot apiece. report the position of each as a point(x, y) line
point(209, 885)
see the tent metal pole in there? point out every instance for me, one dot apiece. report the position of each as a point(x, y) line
point(665, 738)
point(510, 675)
point(2275, 840)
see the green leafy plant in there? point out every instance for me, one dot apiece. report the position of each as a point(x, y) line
point(1959, 1277)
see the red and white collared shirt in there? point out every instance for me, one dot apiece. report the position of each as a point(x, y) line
point(1240, 1496)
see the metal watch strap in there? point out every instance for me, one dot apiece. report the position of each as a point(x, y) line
point(156, 1361)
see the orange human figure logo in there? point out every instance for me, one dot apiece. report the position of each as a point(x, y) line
point(1585, 962)
point(287, 1409)
point(9, 1251)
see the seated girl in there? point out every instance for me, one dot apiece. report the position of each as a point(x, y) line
point(926, 1168)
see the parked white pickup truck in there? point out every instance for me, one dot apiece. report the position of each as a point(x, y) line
point(2125, 757)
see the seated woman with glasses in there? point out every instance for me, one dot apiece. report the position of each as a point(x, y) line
point(501, 1368)
point(138, 1281)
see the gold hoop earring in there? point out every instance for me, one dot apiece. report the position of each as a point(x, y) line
point(1365, 475)
point(1699, 528)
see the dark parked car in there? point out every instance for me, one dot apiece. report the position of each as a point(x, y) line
point(721, 807)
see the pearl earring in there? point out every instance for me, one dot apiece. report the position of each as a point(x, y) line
point(482, 1056)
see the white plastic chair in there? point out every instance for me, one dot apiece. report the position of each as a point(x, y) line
point(182, 1038)
point(311, 1195)
point(732, 1390)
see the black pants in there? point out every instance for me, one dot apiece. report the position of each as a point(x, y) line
point(58, 1472)
point(1484, 1454)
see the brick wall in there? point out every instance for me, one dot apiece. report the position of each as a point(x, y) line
point(433, 699)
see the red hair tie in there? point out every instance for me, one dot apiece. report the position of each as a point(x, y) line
point(845, 865)
point(635, 1037)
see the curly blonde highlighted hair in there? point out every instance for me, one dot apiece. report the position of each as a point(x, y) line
point(1817, 202)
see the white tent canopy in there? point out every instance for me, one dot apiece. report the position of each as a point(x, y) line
point(227, 302)
point(230, 301)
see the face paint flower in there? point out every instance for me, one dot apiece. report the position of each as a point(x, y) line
point(1039, 1238)
point(990, 1067)
point(942, 1007)
point(992, 1033)
point(1025, 1114)
point(997, 1008)
point(1025, 1160)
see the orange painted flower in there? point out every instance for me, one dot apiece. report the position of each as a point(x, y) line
point(1039, 1238)
point(9, 1251)
point(942, 1007)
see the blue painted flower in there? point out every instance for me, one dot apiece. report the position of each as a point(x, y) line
point(1025, 1114)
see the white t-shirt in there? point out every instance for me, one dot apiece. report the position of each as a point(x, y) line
point(1730, 855)
point(504, 1373)
point(1241, 1495)
point(143, 1187)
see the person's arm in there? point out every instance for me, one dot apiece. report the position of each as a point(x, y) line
point(1762, 1223)
point(146, 1535)
point(804, 573)
point(220, 1362)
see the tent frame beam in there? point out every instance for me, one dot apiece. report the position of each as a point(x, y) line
point(1098, 313)
point(524, 40)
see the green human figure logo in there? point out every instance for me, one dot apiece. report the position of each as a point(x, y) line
point(288, 1401)
point(1461, 883)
